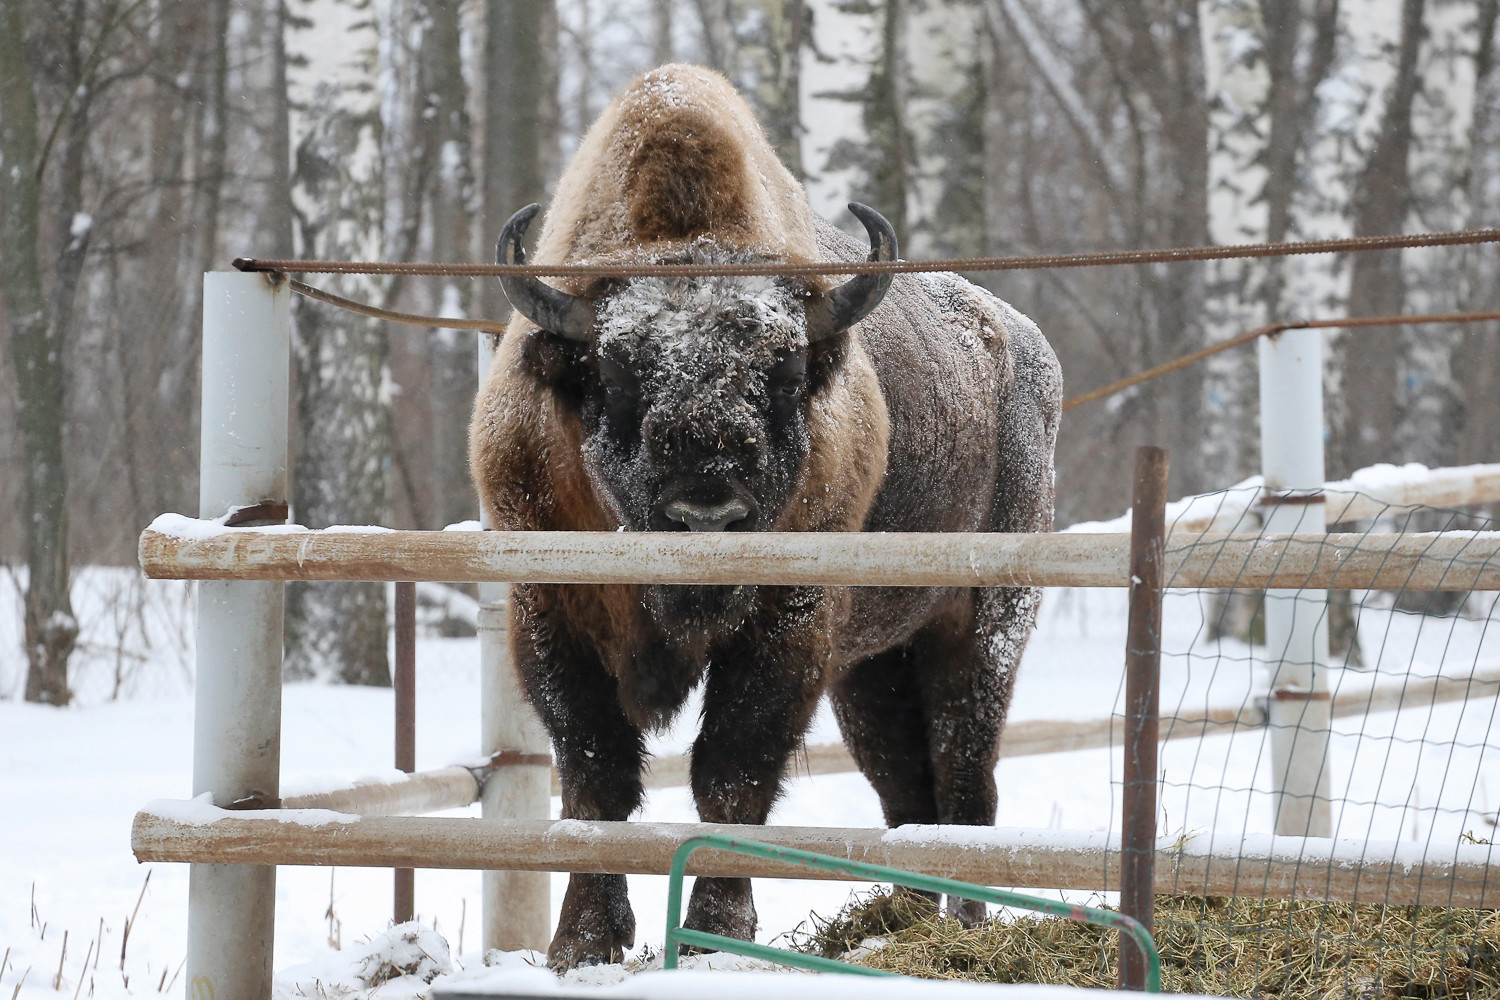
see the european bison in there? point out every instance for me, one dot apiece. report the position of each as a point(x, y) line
point(921, 403)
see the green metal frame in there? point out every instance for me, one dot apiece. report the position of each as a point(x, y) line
point(678, 935)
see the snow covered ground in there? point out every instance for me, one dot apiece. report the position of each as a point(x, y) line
point(71, 780)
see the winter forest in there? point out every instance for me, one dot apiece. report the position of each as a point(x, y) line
point(146, 141)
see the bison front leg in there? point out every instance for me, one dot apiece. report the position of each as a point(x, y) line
point(599, 755)
point(763, 686)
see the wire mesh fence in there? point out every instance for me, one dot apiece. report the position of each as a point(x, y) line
point(1390, 698)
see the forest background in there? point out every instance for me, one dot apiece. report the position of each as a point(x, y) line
point(143, 142)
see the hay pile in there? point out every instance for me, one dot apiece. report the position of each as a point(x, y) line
point(1224, 947)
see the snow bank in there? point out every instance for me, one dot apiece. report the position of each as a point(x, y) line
point(726, 977)
point(394, 965)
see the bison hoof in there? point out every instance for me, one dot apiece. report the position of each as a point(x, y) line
point(572, 948)
point(722, 906)
point(969, 912)
point(596, 924)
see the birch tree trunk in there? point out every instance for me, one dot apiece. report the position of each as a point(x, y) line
point(338, 630)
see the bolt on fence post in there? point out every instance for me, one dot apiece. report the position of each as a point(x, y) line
point(405, 684)
point(1148, 536)
point(1298, 707)
point(237, 690)
point(517, 908)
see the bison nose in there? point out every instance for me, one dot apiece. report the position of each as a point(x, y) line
point(707, 517)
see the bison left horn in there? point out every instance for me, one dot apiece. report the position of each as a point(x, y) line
point(570, 316)
point(856, 298)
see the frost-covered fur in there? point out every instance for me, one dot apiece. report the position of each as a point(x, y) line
point(937, 412)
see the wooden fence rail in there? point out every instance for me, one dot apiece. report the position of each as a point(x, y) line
point(1274, 867)
point(180, 548)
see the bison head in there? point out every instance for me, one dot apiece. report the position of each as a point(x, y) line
point(694, 393)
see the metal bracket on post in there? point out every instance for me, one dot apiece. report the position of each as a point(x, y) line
point(1291, 446)
point(1148, 540)
point(237, 697)
point(516, 906)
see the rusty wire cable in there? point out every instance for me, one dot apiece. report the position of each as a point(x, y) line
point(1034, 262)
point(1270, 330)
point(1021, 263)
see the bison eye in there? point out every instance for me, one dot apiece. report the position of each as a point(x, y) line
point(617, 381)
point(789, 377)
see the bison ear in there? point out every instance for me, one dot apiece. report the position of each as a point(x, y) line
point(830, 315)
point(557, 362)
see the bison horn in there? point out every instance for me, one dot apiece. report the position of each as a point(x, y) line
point(856, 298)
point(555, 311)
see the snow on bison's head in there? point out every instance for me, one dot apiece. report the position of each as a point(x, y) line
point(694, 393)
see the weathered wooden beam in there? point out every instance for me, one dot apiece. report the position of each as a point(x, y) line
point(181, 548)
point(412, 795)
point(455, 787)
point(1274, 867)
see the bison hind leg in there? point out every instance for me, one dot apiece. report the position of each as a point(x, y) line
point(878, 705)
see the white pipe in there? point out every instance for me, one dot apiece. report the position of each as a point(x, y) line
point(237, 701)
point(1298, 706)
point(515, 906)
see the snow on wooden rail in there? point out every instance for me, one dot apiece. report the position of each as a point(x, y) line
point(1369, 493)
point(181, 548)
point(1274, 867)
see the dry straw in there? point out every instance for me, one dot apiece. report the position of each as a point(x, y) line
point(1222, 947)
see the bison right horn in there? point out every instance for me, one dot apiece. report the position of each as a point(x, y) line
point(856, 298)
point(570, 316)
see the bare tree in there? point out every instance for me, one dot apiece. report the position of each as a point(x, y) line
point(661, 31)
point(1363, 419)
point(46, 161)
point(518, 88)
point(343, 402)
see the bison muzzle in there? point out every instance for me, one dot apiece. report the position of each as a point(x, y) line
point(921, 403)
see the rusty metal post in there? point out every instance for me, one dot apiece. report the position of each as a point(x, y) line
point(1148, 534)
point(405, 682)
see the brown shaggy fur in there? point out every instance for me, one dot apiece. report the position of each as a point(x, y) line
point(937, 412)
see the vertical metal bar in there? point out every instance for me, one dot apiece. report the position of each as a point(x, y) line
point(517, 909)
point(1148, 534)
point(405, 682)
point(237, 691)
point(1298, 707)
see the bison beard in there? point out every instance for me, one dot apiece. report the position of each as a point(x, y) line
point(753, 404)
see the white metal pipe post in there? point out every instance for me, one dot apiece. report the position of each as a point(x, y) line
point(517, 905)
point(237, 709)
point(1298, 706)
